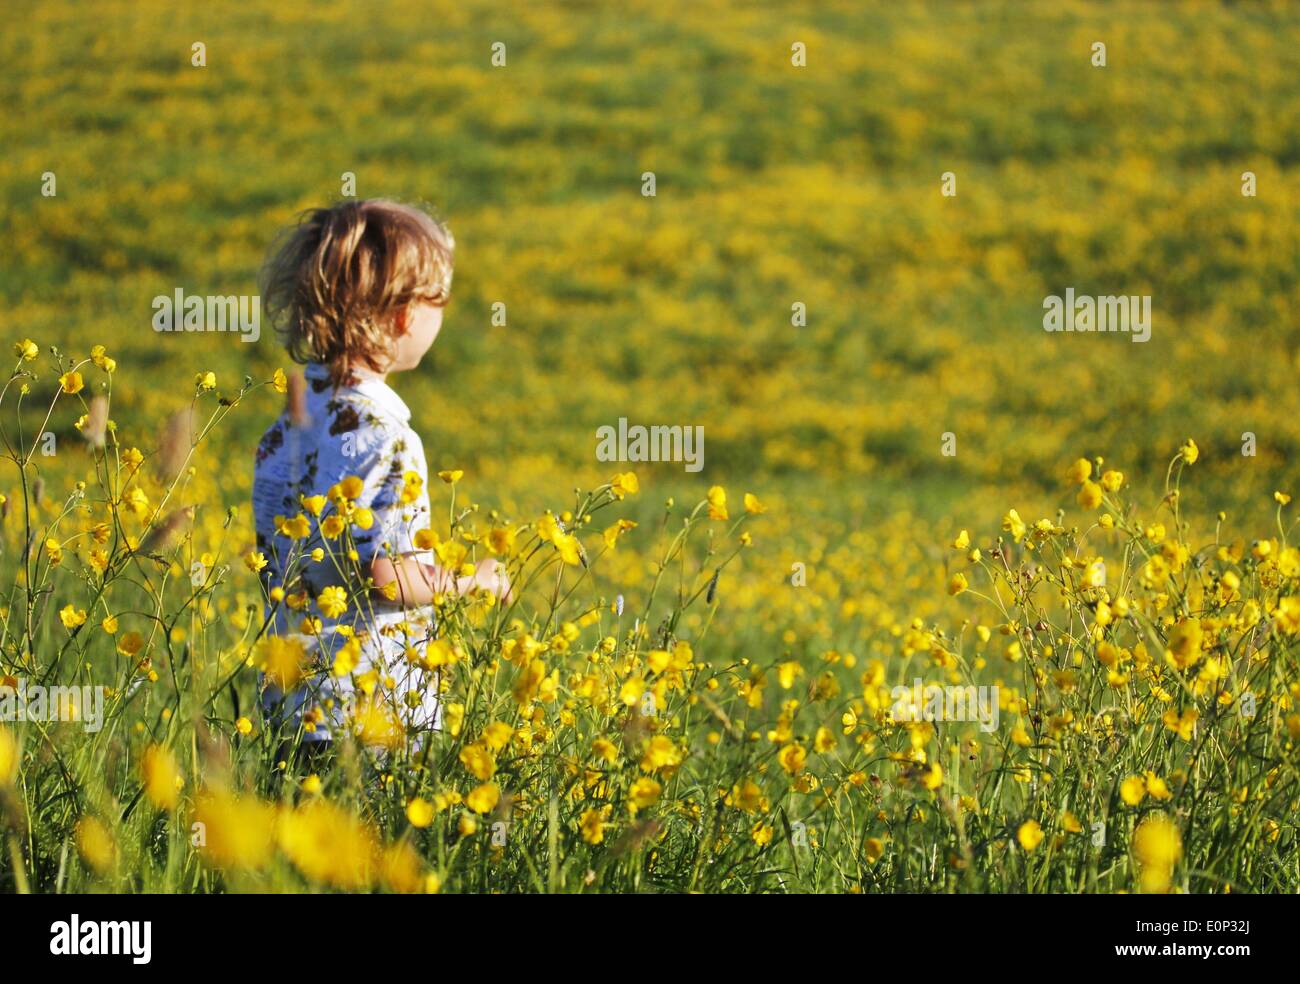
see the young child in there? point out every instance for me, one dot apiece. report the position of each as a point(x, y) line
point(339, 486)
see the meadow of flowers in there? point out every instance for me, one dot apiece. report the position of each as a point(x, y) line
point(693, 688)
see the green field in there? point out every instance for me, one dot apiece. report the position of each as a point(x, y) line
point(776, 185)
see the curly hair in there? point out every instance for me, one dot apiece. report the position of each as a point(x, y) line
point(334, 283)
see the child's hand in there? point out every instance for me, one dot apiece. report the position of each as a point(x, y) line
point(490, 574)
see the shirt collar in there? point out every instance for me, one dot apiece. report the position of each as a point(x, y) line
point(367, 387)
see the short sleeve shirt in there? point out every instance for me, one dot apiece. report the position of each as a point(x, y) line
point(360, 430)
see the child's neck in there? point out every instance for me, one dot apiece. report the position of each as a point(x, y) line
point(362, 372)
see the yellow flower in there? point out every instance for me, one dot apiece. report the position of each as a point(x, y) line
point(932, 778)
point(206, 381)
point(346, 657)
point(1184, 645)
point(624, 483)
point(593, 824)
point(244, 726)
point(95, 844)
point(401, 869)
point(332, 601)
point(280, 381)
point(1030, 835)
point(484, 798)
point(282, 659)
point(10, 755)
point(328, 845)
point(255, 560)
point(788, 672)
point(569, 548)
point(376, 724)
point(71, 382)
point(478, 761)
point(718, 503)
point(792, 758)
point(497, 735)
point(1089, 495)
point(752, 505)
point(962, 541)
point(419, 812)
point(1013, 524)
point(451, 476)
point(440, 652)
point(296, 528)
point(644, 792)
point(501, 540)
point(72, 617)
point(1155, 572)
point(874, 849)
point(1080, 471)
point(605, 749)
point(1112, 481)
point(412, 487)
point(162, 778)
point(26, 350)
point(237, 832)
point(660, 753)
point(1288, 614)
point(451, 553)
point(138, 502)
point(1184, 725)
point(1158, 847)
point(1132, 790)
point(747, 796)
point(612, 533)
point(1288, 562)
point(957, 584)
point(1157, 787)
point(1190, 452)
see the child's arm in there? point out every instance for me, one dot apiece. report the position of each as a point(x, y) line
point(418, 583)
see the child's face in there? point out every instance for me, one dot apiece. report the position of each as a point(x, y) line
point(420, 326)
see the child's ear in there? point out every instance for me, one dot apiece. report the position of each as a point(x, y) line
point(399, 321)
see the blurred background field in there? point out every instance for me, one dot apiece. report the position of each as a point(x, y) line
point(776, 185)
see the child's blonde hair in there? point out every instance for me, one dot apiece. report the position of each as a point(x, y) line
point(334, 283)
